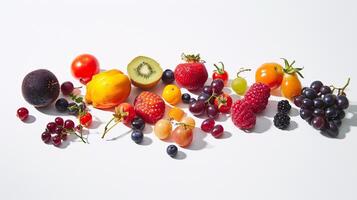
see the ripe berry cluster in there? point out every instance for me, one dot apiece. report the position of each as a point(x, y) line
point(282, 119)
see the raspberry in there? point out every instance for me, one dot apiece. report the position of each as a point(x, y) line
point(242, 115)
point(284, 106)
point(281, 120)
point(257, 96)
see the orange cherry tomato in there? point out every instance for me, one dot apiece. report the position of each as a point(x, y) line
point(270, 74)
point(290, 86)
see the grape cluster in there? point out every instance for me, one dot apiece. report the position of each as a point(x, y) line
point(321, 108)
point(56, 132)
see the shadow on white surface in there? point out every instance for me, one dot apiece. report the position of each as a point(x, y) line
point(146, 141)
point(262, 125)
point(349, 121)
point(180, 155)
point(30, 119)
point(293, 125)
point(226, 135)
point(198, 142)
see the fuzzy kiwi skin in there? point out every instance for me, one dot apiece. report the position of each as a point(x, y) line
point(145, 86)
point(40, 88)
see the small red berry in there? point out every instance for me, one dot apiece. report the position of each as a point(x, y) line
point(86, 120)
point(22, 113)
point(59, 121)
point(68, 124)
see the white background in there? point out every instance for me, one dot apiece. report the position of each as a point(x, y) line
point(265, 164)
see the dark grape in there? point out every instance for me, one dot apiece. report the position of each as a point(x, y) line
point(329, 99)
point(137, 136)
point(298, 100)
point(192, 100)
point(203, 97)
point(217, 131)
point(197, 108)
point(310, 93)
point(217, 86)
point(208, 90)
point(338, 122)
point(307, 103)
point(318, 103)
point(212, 111)
point(303, 91)
point(318, 112)
point(325, 90)
point(61, 105)
point(341, 114)
point(67, 88)
point(168, 76)
point(305, 114)
point(332, 129)
point(316, 85)
point(342, 102)
point(186, 98)
point(331, 112)
point(318, 122)
point(73, 109)
point(207, 125)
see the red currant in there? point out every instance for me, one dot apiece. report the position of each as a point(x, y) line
point(22, 113)
point(64, 136)
point(56, 140)
point(68, 124)
point(51, 127)
point(46, 137)
point(59, 121)
point(59, 130)
point(207, 125)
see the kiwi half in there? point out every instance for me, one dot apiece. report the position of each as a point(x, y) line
point(144, 72)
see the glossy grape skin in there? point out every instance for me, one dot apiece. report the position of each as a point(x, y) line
point(331, 112)
point(318, 103)
point(51, 127)
point(203, 97)
point(325, 90)
point(298, 100)
point(212, 111)
point(137, 136)
point(67, 88)
point(57, 140)
point(239, 85)
point(342, 102)
point(316, 85)
point(46, 137)
point(329, 99)
point(207, 125)
point(332, 130)
point(186, 98)
point(68, 124)
point(307, 103)
point(337, 122)
point(192, 100)
point(341, 114)
point(305, 114)
point(59, 121)
point(318, 123)
point(138, 124)
point(197, 108)
point(318, 112)
point(310, 93)
point(208, 90)
point(172, 150)
point(217, 86)
point(217, 131)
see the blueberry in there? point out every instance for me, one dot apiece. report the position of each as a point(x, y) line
point(192, 100)
point(171, 150)
point(138, 124)
point(186, 97)
point(61, 105)
point(168, 76)
point(137, 136)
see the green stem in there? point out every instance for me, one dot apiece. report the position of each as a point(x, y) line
point(242, 70)
point(106, 129)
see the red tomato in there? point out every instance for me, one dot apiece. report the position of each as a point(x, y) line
point(84, 67)
point(223, 102)
point(125, 112)
point(86, 119)
point(220, 73)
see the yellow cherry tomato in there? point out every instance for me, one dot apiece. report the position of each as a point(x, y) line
point(171, 94)
point(163, 129)
point(189, 121)
point(176, 113)
point(291, 85)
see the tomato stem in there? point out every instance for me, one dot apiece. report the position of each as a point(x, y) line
point(220, 69)
point(289, 69)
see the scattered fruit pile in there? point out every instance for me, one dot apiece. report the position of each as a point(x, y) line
point(321, 108)
point(320, 105)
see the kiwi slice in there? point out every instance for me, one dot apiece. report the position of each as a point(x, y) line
point(144, 72)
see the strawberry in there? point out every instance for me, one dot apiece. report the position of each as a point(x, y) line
point(191, 75)
point(223, 102)
point(257, 96)
point(149, 106)
point(242, 115)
